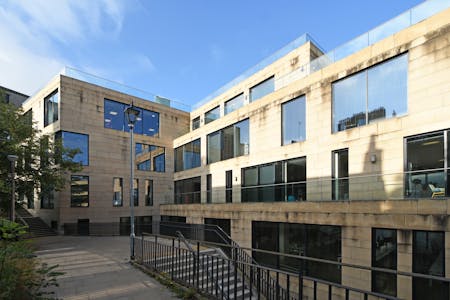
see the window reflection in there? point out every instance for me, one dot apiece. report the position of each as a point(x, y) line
point(150, 157)
point(51, 111)
point(75, 141)
point(277, 181)
point(429, 258)
point(188, 156)
point(234, 103)
point(212, 115)
point(148, 192)
point(261, 89)
point(384, 255)
point(79, 191)
point(229, 142)
point(187, 190)
point(379, 92)
point(294, 121)
point(147, 122)
point(117, 192)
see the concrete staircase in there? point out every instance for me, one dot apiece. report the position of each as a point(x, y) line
point(216, 276)
point(36, 227)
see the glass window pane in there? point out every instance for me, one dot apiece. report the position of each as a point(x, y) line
point(234, 103)
point(349, 102)
point(212, 115)
point(241, 138)
point(51, 108)
point(148, 192)
point(117, 192)
point(227, 143)
point(250, 176)
point(79, 191)
point(114, 115)
point(262, 89)
point(294, 122)
point(214, 147)
point(159, 162)
point(138, 124)
point(150, 125)
point(195, 123)
point(425, 160)
point(384, 255)
point(187, 190)
point(429, 258)
point(72, 140)
point(263, 234)
point(387, 88)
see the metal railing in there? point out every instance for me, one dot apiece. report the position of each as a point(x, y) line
point(217, 276)
point(418, 184)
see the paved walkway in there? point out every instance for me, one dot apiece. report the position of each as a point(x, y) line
point(97, 268)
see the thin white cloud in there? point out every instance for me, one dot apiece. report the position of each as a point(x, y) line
point(34, 32)
point(144, 63)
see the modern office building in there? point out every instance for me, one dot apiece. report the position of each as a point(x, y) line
point(341, 155)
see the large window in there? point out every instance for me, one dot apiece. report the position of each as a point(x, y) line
point(429, 259)
point(114, 117)
point(188, 156)
point(187, 190)
point(79, 191)
point(150, 157)
point(384, 255)
point(379, 92)
point(234, 103)
point(262, 89)
point(294, 121)
point(426, 165)
point(317, 241)
point(148, 192)
point(229, 142)
point(117, 192)
point(277, 181)
point(212, 115)
point(73, 141)
point(51, 108)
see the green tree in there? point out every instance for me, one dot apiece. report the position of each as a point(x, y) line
point(40, 166)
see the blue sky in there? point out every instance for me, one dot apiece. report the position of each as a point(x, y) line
point(182, 50)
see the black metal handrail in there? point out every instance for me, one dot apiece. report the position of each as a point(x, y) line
point(285, 279)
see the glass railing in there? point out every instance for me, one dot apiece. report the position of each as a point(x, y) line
point(261, 65)
point(116, 86)
point(405, 20)
point(419, 184)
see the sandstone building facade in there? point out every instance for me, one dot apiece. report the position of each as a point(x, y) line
point(341, 156)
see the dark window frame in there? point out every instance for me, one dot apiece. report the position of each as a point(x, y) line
point(49, 103)
point(72, 204)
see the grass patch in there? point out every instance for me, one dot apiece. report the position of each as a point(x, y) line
point(179, 290)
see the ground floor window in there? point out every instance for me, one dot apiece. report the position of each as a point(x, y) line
point(384, 255)
point(187, 190)
point(429, 259)
point(318, 241)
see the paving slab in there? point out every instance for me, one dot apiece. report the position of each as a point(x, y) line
point(97, 268)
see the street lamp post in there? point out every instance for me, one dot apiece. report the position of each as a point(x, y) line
point(12, 159)
point(132, 114)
